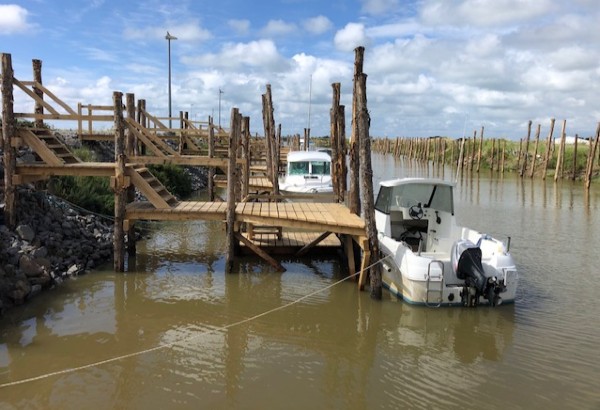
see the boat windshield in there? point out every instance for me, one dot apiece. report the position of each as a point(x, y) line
point(434, 196)
point(320, 168)
point(298, 168)
point(312, 167)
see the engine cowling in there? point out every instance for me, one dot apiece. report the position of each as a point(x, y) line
point(466, 263)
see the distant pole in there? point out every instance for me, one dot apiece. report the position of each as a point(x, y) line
point(170, 37)
point(307, 136)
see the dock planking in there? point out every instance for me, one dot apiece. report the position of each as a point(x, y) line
point(323, 217)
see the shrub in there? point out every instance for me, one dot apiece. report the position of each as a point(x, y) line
point(174, 178)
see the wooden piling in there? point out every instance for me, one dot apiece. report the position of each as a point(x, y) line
point(9, 134)
point(561, 153)
point(130, 143)
point(549, 144)
point(480, 149)
point(211, 154)
point(492, 156)
point(526, 151)
point(354, 192)
point(535, 150)
point(37, 79)
point(246, 154)
point(333, 138)
point(366, 182)
point(503, 157)
point(472, 158)
point(234, 133)
point(592, 158)
point(118, 185)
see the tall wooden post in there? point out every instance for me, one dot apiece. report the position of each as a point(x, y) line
point(246, 154)
point(473, 148)
point(366, 182)
point(268, 131)
point(129, 151)
point(9, 133)
point(549, 144)
point(535, 150)
point(37, 78)
point(526, 152)
point(234, 133)
point(276, 150)
point(341, 164)
point(492, 156)
point(592, 158)
point(503, 157)
point(143, 121)
point(561, 152)
point(480, 149)
point(333, 138)
point(119, 185)
point(354, 192)
point(211, 154)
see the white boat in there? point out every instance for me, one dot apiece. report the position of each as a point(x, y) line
point(307, 172)
point(428, 258)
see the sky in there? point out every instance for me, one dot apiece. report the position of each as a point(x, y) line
point(435, 67)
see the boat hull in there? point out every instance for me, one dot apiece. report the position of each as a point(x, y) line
point(429, 279)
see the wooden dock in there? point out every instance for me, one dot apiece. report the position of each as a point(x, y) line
point(257, 223)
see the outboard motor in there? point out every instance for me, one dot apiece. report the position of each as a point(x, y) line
point(466, 263)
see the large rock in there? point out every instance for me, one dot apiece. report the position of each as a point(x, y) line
point(29, 267)
point(25, 233)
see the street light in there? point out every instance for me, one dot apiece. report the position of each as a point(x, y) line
point(169, 37)
point(220, 92)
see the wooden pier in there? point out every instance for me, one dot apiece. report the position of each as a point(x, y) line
point(259, 223)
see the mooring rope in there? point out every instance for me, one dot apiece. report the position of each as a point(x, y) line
point(187, 340)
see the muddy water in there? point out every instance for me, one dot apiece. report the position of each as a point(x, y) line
point(193, 337)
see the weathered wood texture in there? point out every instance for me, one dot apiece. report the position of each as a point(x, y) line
point(118, 185)
point(232, 176)
point(8, 132)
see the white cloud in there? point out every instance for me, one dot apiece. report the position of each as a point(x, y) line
point(276, 28)
point(483, 12)
point(377, 7)
point(257, 54)
point(97, 54)
point(241, 27)
point(317, 25)
point(13, 19)
point(350, 37)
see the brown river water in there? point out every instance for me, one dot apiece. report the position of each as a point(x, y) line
point(176, 332)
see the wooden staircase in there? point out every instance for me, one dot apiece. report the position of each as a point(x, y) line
point(47, 146)
point(156, 193)
point(152, 142)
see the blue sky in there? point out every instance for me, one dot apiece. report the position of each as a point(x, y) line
point(435, 67)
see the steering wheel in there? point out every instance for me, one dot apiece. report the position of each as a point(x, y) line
point(416, 212)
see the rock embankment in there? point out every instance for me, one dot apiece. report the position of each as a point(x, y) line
point(52, 241)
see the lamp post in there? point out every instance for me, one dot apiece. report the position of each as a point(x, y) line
point(220, 92)
point(169, 37)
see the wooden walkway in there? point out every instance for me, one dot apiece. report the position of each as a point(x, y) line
point(317, 217)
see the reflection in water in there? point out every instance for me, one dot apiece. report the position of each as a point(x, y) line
point(335, 349)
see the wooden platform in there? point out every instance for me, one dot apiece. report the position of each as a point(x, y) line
point(254, 184)
point(317, 217)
